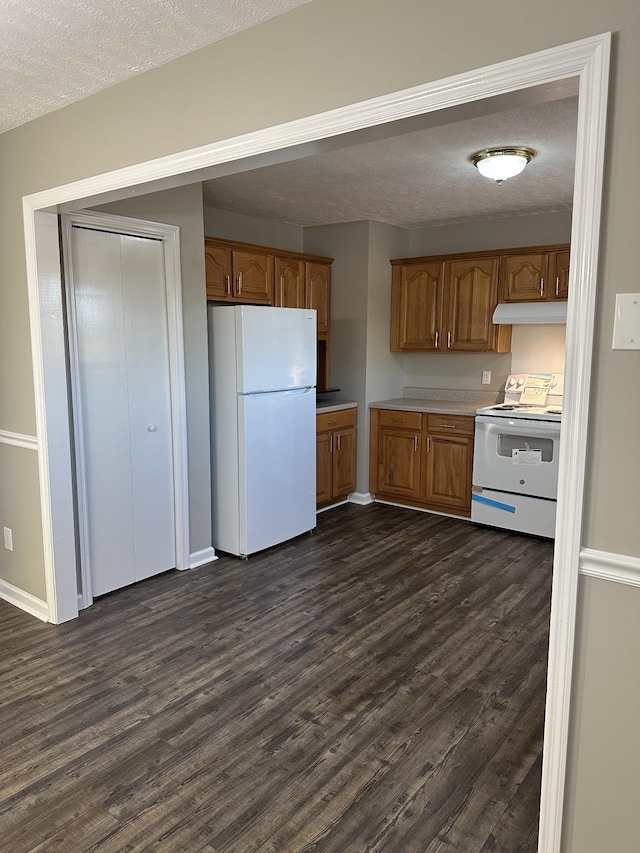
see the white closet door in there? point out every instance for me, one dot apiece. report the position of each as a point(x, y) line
point(123, 361)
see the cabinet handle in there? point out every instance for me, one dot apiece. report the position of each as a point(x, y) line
point(415, 442)
point(227, 285)
point(239, 280)
point(541, 287)
point(339, 437)
point(447, 426)
point(331, 423)
point(558, 286)
point(399, 420)
point(437, 340)
point(330, 444)
point(449, 337)
point(428, 444)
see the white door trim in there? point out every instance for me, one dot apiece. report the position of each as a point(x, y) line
point(588, 60)
point(169, 235)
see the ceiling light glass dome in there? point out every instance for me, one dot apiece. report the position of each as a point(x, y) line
point(498, 164)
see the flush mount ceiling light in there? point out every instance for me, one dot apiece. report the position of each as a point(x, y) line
point(502, 163)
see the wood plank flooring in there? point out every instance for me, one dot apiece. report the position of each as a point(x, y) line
point(377, 685)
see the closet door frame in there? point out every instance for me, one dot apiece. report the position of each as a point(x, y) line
point(169, 235)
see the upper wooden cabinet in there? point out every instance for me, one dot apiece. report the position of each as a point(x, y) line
point(541, 273)
point(471, 294)
point(253, 277)
point(238, 275)
point(559, 273)
point(259, 275)
point(446, 304)
point(217, 262)
point(289, 282)
point(318, 291)
point(416, 306)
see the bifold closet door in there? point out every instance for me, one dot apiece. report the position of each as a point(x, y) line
point(118, 289)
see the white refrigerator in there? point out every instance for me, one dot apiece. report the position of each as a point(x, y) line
point(262, 368)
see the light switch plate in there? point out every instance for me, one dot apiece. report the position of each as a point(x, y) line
point(486, 377)
point(626, 323)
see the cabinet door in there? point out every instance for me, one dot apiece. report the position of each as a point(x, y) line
point(448, 471)
point(289, 283)
point(399, 462)
point(318, 292)
point(217, 261)
point(253, 277)
point(344, 462)
point(559, 275)
point(471, 298)
point(416, 307)
point(525, 277)
point(324, 467)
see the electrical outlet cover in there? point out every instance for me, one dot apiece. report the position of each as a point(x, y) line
point(626, 324)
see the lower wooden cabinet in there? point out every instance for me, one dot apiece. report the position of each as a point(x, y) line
point(422, 459)
point(335, 455)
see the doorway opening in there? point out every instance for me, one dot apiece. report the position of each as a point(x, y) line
point(589, 61)
point(124, 318)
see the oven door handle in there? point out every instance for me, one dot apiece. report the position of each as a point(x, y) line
point(534, 428)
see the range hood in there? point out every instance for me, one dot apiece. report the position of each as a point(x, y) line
point(510, 313)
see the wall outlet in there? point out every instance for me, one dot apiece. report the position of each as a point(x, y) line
point(486, 377)
point(8, 539)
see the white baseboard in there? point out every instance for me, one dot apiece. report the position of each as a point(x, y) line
point(200, 558)
point(24, 600)
point(361, 498)
point(331, 506)
point(619, 568)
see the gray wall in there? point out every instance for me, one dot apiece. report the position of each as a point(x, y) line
point(183, 207)
point(229, 225)
point(384, 47)
point(348, 244)
point(505, 233)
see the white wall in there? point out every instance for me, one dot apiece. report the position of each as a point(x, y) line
point(538, 349)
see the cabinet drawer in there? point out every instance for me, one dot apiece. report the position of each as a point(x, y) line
point(402, 420)
point(461, 424)
point(327, 421)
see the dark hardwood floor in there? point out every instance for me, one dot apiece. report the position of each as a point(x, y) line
point(377, 685)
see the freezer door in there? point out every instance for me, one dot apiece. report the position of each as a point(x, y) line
point(277, 467)
point(276, 348)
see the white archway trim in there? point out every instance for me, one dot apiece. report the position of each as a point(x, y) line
point(588, 60)
point(169, 235)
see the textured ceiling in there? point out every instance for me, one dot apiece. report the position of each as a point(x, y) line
point(419, 178)
point(53, 52)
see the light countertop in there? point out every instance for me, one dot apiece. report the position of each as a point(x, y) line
point(441, 407)
point(335, 405)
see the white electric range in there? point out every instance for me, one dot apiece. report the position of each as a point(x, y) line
point(516, 453)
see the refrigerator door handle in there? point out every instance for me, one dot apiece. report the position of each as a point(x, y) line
point(288, 392)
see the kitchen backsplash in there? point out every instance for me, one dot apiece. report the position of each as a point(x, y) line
point(482, 398)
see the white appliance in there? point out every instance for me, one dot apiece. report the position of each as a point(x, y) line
point(516, 455)
point(263, 425)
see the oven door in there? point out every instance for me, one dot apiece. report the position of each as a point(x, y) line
point(516, 455)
